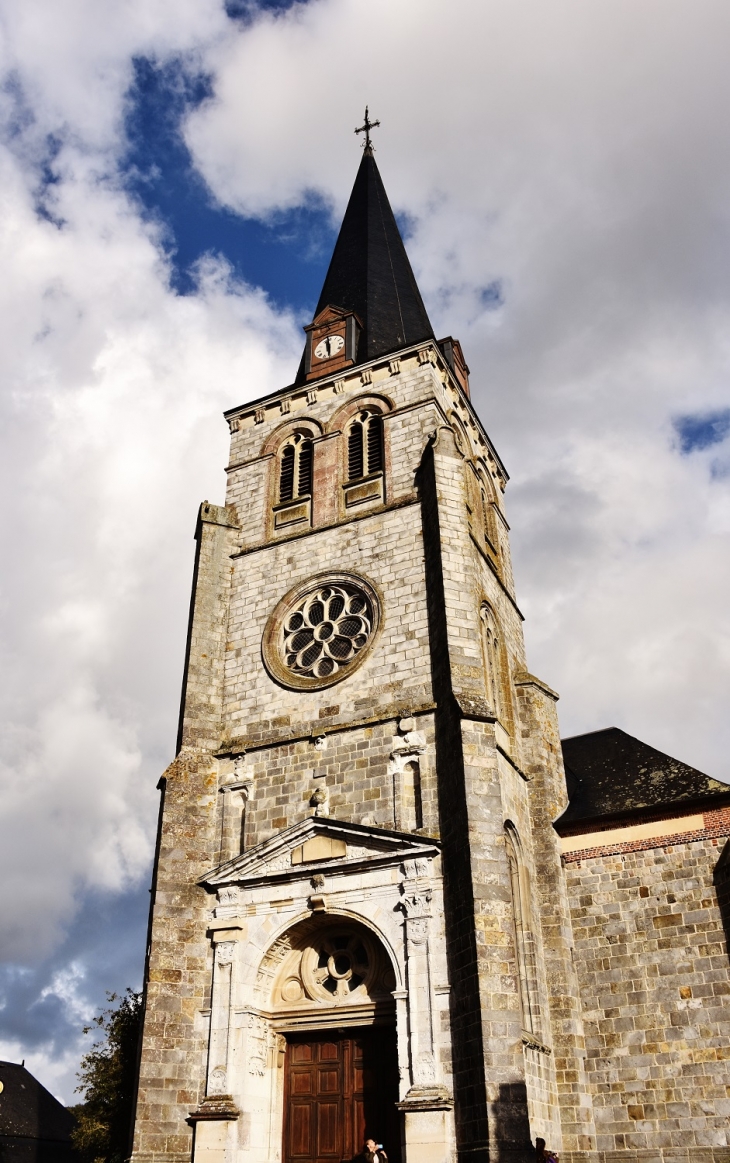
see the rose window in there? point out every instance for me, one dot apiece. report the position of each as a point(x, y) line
point(326, 630)
point(342, 964)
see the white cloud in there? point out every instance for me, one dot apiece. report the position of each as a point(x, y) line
point(573, 153)
point(113, 389)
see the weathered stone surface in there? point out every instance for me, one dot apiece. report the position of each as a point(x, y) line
point(578, 999)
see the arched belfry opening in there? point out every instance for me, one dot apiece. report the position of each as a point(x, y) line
point(329, 982)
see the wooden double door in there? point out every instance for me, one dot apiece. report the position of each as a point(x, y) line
point(338, 1089)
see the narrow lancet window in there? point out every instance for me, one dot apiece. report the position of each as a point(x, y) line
point(365, 446)
point(295, 473)
point(286, 478)
point(355, 452)
point(412, 800)
point(524, 941)
point(375, 443)
point(490, 640)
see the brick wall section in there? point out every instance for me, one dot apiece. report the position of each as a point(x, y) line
point(652, 960)
point(716, 821)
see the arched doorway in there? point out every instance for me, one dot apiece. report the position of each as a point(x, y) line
point(331, 1000)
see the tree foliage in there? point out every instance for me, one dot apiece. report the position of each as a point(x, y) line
point(106, 1080)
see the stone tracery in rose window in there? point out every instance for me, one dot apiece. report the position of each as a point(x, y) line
point(326, 630)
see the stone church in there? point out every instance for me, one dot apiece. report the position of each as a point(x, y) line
point(387, 900)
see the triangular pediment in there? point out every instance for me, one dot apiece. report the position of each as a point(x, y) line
point(330, 314)
point(320, 843)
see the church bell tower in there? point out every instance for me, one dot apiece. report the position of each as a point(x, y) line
point(359, 924)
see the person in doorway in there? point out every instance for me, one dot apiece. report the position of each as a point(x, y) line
point(373, 1152)
point(542, 1155)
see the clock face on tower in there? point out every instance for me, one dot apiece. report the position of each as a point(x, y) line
point(329, 346)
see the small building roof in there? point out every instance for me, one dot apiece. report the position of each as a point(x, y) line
point(610, 773)
point(29, 1111)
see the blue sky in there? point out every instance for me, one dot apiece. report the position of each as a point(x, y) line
point(286, 255)
point(702, 430)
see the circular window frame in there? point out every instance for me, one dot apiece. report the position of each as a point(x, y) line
point(272, 639)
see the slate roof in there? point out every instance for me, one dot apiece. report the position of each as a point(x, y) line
point(29, 1112)
point(370, 273)
point(610, 773)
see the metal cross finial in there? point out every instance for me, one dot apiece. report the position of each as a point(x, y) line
point(366, 129)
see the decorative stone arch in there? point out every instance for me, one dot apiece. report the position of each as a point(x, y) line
point(319, 987)
point(364, 461)
point(463, 443)
point(291, 450)
point(339, 421)
point(336, 960)
point(304, 424)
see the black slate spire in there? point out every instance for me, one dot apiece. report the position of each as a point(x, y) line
point(370, 273)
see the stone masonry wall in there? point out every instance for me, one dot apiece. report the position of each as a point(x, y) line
point(428, 662)
point(652, 959)
point(174, 1044)
point(354, 768)
point(387, 549)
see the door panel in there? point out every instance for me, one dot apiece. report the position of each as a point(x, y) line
point(329, 1131)
point(329, 1082)
point(302, 1082)
point(336, 1091)
point(300, 1131)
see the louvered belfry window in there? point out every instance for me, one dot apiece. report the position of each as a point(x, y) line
point(365, 445)
point(295, 473)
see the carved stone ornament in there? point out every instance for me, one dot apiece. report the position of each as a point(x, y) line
point(415, 904)
point(228, 895)
point(224, 951)
point(417, 928)
point(339, 965)
point(416, 869)
point(320, 801)
point(218, 1082)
